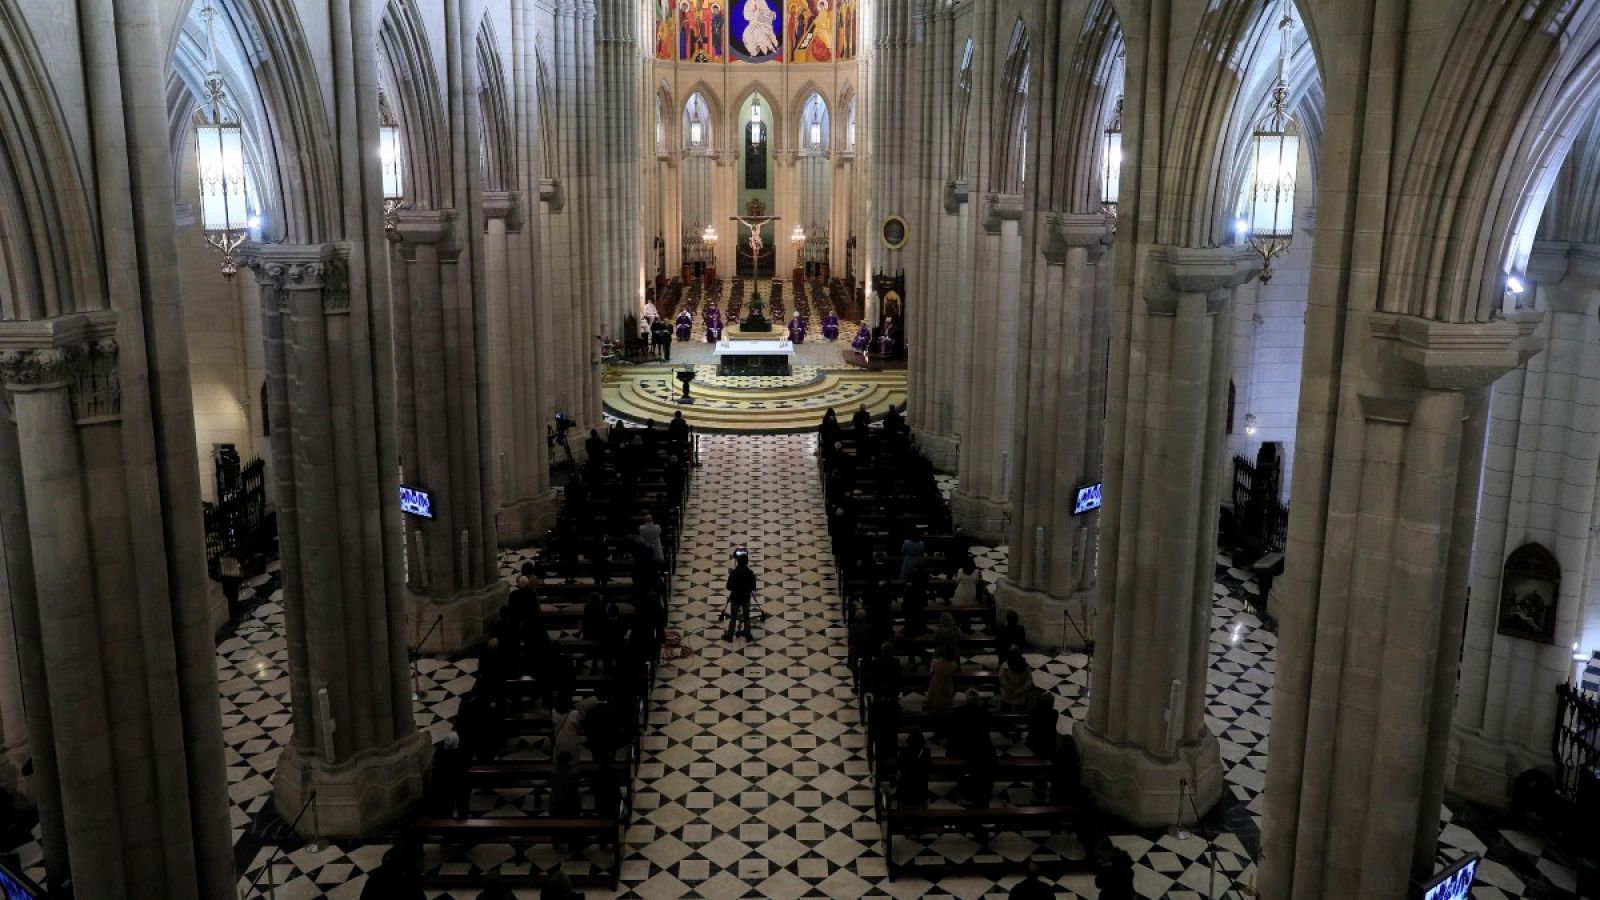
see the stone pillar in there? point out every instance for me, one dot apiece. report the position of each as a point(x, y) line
point(1372, 603)
point(128, 767)
point(1146, 730)
point(355, 758)
point(1538, 487)
point(1058, 444)
point(527, 505)
point(451, 565)
point(981, 505)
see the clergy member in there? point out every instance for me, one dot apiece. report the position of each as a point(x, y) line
point(863, 341)
point(685, 325)
point(830, 326)
point(797, 329)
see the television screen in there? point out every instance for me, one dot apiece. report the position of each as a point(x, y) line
point(416, 501)
point(1088, 498)
point(1454, 883)
point(15, 886)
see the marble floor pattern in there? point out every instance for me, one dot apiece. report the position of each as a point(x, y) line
point(754, 781)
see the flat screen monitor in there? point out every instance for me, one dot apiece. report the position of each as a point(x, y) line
point(416, 501)
point(1088, 498)
point(16, 886)
point(1454, 883)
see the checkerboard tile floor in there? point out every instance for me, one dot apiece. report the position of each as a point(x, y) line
point(754, 781)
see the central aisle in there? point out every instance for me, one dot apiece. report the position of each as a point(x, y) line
point(754, 781)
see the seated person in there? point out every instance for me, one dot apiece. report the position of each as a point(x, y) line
point(685, 325)
point(830, 326)
point(797, 329)
point(863, 340)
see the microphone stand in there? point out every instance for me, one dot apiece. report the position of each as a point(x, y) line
point(267, 869)
point(416, 653)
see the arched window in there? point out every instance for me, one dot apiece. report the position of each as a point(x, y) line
point(696, 124)
point(963, 102)
point(850, 129)
point(1010, 159)
point(815, 126)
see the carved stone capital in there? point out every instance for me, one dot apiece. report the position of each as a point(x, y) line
point(1000, 208)
point(78, 352)
point(1171, 272)
point(425, 227)
point(1064, 231)
point(506, 205)
point(285, 268)
point(1453, 355)
point(550, 192)
point(956, 194)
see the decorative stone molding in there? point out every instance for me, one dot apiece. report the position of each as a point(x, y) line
point(1001, 208)
point(1171, 272)
point(550, 192)
point(505, 205)
point(283, 268)
point(1064, 231)
point(433, 227)
point(956, 193)
point(1453, 356)
point(78, 352)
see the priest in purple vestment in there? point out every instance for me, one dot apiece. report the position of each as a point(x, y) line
point(797, 329)
point(830, 326)
point(714, 328)
point(863, 339)
point(685, 325)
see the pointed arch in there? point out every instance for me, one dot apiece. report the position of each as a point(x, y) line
point(813, 108)
point(407, 67)
point(667, 142)
point(48, 263)
point(548, 113)
point(297, 168)
point(731, 123)
point(494, 105)
point(1011, 99)
point(717, 127)
point(1086, 97)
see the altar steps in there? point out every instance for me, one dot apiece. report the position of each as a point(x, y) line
point(643, 393)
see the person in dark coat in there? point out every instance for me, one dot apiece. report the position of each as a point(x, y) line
point(1011, 634)
point(566, 802)
point(886, 672)
point(915, 605)
point(883, 728)
point(602, 731)
point(451, 794)
point(1042, 717)
point(1065, 772)
point(911, 777)
point(741, 588)
point(861, 420)
point(595, 625)
point(859, 646)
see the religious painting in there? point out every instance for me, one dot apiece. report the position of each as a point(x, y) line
point(808, 26)
point(701, 24)
point(666, 28)
point(894, 232)
point(844, 18)
point(753, 34)
point(1529, 590)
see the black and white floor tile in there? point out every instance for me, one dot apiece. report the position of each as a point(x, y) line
point(753, 780)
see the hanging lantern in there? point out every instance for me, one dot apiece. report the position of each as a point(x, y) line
point(225, 216)
point(757, 130)
point(1274, 158)
point(697, 126)
point(814, 129)
point(1111, 163)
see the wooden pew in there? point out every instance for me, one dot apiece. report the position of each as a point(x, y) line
point(982, 822)
point(603, 830)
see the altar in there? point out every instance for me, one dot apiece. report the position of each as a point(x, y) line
point(745, 356)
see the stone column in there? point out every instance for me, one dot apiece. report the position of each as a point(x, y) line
point(451, 567)
point(527, 505)
point(1058, 444)
point(356, 757)
point(1371, 614)
point(127, 765)
point(1539, 486)
point(1146, 730)
point(981, 505)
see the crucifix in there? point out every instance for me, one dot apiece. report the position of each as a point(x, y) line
point(755, 218)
